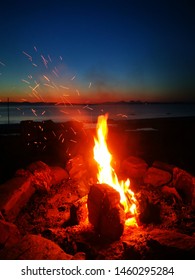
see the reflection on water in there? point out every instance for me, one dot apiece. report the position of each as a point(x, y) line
point(89, 113)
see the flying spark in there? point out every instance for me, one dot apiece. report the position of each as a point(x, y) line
point(34, 112)
point(2, 63)
point(47, 85)
point(68, 102)
point(44, 61)
point(54, 133)
point(55, 73)
point(73, 78)
point(73, 131)
point(25, 81)
point(73, 141)
point(54, 85)
point(46, 78)
point(87, 107)
point(49, 58)
point(33, 92)
point(64, 112)
point(56, 69)
point(28, 55)
point(34, 89)
point(64, 87)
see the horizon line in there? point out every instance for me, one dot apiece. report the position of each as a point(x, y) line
point(97, 103)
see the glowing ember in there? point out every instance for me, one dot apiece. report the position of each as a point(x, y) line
point(106, 173)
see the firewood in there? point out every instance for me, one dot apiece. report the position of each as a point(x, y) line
point(105, 211)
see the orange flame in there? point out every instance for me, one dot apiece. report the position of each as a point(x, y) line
point(106, 173)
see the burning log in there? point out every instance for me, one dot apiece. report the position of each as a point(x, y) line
point(105, 211)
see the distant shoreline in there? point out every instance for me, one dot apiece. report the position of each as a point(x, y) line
point(4, 103)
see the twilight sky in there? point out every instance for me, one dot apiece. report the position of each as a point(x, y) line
point(101, 50)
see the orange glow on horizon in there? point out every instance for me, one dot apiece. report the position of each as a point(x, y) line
point(67, 95)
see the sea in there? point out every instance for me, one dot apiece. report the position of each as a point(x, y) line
point(16, 113)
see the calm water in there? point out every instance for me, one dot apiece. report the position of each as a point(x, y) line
point(89, 113)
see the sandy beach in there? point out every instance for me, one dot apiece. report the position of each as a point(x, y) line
point(169, 140)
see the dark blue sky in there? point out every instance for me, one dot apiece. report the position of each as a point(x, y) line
point(88, 51)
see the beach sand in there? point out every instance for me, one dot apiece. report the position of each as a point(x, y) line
point(169, 140)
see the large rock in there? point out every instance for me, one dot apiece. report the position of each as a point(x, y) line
point(105, 212)
point(42, 175)
point(171, 192)
point(184, 184)
point(76, 167)
point(79, 211)
point(79, 256)
point(9, 234)
point(172, 244)
point(35, 247)
point(158, 244)
point(157, 177)
point(78, 172)
point(58, 174)
point(82, 187)
point(15, 194)
point(149, 208)
point(134, 167)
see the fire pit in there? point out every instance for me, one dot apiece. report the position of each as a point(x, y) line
point(78, 213)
